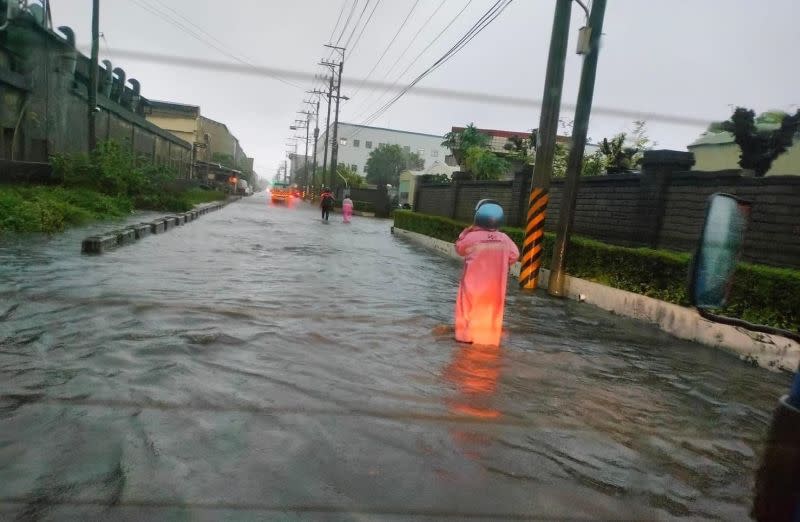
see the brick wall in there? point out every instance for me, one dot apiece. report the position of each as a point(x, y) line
point(773, 236)
point(663, 207)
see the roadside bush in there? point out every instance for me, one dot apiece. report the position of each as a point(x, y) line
point(51, 209)
point(114, 170)
point(760, 294)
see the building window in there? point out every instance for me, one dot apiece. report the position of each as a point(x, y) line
point(368, 144)
point(356, 143)
point(343, 141)
point(407, 148)
point(354, 167)
point(365, 168)
point(435, 153)
point(421, 152)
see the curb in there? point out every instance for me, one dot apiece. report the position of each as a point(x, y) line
point(114, 239)
point(772, 352)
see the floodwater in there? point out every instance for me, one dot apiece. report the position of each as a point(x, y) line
point(258, 364)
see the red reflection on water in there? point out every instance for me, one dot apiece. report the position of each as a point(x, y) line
point(474, 370)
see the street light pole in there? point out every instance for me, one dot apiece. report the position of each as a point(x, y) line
point(545, 149)
point(583, 110)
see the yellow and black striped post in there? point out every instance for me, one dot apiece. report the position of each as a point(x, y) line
point(534, 235)
point(545, 148)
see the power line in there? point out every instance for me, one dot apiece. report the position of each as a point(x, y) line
point(172, 21)
point(355, 26)
point(355, 44)
point(432, 92)
point(190, 22)
point(488, 17)
point(413, 7)
point(350, 16)
point(414, 61)
point(341, 12)
point(413, 39)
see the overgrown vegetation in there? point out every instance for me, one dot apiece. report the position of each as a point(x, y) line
point(109, 183)
point(470, 147)
point(760, 294)
point(51, 209)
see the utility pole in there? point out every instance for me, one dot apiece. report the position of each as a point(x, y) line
point(92, 94)
point(327, 124)
point(308, 125)
point(583, 110)
point(335, 145)
point(545, 148)
point(316, 138)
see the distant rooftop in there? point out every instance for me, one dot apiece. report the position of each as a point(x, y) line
point(390, 130)
point(723, 137)
point(174, 107)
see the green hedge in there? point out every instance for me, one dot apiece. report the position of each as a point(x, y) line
point(760, 294)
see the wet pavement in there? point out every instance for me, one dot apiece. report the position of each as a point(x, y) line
point(258, 364)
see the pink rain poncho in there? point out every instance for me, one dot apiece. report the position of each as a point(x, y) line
point(482, 293)
point(347, 209)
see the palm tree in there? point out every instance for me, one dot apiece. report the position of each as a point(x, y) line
point(459, 142)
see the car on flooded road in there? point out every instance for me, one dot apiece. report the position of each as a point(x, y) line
point(280, 193)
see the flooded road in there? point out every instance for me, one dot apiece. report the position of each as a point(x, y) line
point(258, 364)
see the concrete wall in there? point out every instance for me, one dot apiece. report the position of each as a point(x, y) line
point(663, 207)
point(43, 87)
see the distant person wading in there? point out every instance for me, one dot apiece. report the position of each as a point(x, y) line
point(326, 202)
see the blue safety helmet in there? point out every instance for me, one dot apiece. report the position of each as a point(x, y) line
point(489, 214)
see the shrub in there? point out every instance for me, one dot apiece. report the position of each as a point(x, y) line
point(51, 209)
point(760, 294)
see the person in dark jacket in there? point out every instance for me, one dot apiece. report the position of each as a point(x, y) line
point(326, 202)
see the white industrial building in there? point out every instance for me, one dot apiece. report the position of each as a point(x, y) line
point(357, 141)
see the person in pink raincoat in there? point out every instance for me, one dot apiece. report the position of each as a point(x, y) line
point(481, 297)
point(347, 208)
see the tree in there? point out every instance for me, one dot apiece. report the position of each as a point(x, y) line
point(352, 177)
point(484, 164)
point(387, 162)
point(460, 142)
point(519, 149)
point(760, 147)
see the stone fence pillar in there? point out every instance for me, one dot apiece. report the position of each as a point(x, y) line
point(658, 166)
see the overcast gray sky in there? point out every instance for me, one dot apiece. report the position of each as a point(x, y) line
point(692, 58)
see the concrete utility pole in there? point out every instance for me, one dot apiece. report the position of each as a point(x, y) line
point(545, 149)
point(327, 126)
point(335, 149)
point(583, 110)
point(335, 142)
point(316, 138)
point(92, 94)
point(308, 125)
